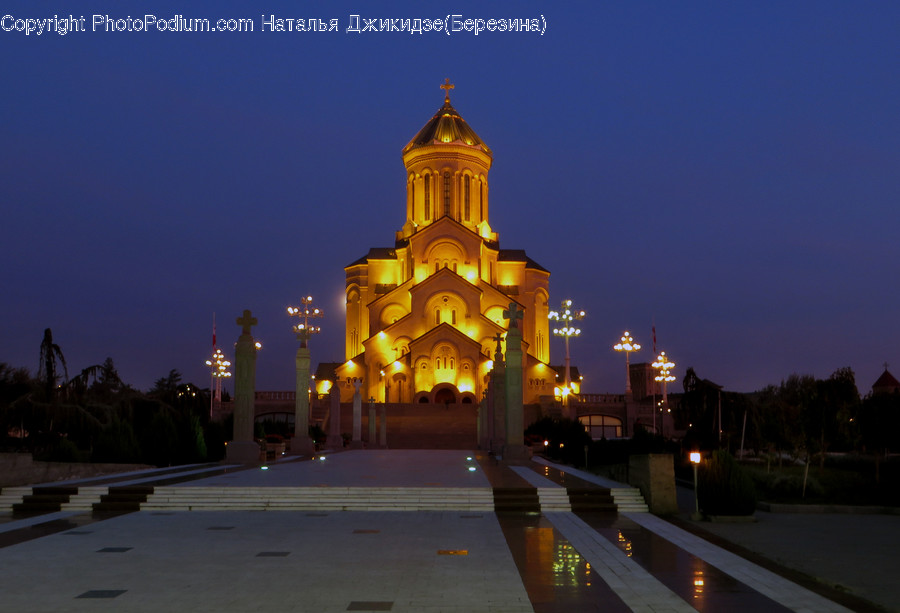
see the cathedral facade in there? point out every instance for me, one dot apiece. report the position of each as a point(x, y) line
point(425, 316)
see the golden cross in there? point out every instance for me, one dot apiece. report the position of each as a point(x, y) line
point(447, 86)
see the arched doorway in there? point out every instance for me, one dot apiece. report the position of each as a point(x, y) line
point(445, 395)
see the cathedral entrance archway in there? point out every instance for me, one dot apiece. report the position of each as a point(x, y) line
point(445, 395)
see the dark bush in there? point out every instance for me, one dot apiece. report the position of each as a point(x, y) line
point(566, 439)
point(116, 443)
point(724, 487)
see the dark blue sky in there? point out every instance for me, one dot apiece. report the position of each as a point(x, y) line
point(729, 170)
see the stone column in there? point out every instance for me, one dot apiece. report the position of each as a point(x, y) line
point(302, 444)
point(243, 448)
point(334, 440)
point(515, 449)
point(496, 401)
point(372, 424)
point(356, 442)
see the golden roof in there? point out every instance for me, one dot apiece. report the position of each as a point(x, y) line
point(447, 126)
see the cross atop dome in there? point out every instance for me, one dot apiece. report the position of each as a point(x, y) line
point(447, 86)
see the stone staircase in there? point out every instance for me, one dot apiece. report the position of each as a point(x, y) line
point(43, 500)
point(10, 496)
point(123, 499)
point(25, 501)
point(629, 500)
point(591, 500)
point(516, 500)
point(319, 499)
point(554, 499)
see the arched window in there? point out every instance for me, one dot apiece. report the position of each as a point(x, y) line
point(466, 190)
point(427, 196)
point(481, 200)
point(446, 192)
point(601, 426)
point(453, 317)
point(437, 316)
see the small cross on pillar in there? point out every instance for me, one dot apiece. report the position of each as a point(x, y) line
point(512, 314)
point(498, 352)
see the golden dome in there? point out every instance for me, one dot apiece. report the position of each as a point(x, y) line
point(447, 126)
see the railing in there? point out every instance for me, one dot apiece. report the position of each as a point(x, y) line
point(276, 396)
point(599, 398)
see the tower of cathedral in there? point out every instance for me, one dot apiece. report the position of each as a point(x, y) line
point(424, 316)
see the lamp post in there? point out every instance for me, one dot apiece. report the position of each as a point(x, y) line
point(566, 316)
point(219, 369)
point(695, 460)
point(305, 313)
point(627, 344)
point(663, 366)
point(302, 443)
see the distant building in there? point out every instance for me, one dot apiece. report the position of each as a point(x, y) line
point(886, 384)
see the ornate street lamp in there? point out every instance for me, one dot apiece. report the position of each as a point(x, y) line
point(566, 316)
point(627, 344)
point(301, 442)
point(663, 366)
point(219, 369)
point(306, 312)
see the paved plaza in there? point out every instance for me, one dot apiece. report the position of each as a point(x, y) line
point(450, 552)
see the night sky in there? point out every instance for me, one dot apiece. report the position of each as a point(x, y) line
point(729, 171)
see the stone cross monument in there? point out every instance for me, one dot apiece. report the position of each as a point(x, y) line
point(372, 425)
point(334, 440)
point(514, 449)
point(243, 448)
point(356, 442)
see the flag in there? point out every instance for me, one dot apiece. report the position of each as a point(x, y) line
point(654, 339)
point(214, 332)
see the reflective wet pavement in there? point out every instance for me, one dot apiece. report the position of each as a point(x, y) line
point(399, 561)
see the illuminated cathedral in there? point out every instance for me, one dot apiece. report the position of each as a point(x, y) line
point(425, 316)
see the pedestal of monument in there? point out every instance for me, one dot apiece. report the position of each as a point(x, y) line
point(243, 449)
point(302, 445)
point(516, 454)
point(242, 452)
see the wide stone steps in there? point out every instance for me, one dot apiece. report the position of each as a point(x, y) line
point(629, 500)
point(591, 499)
point(27, 500)
point(516, 500)
point(319, 499)
point(44, 500)
point(554, 499)
point(13, 495)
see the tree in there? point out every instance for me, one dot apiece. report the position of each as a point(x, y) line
point(166, 386)
point(698, 412)
point(879, 424)
point(48, 373)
